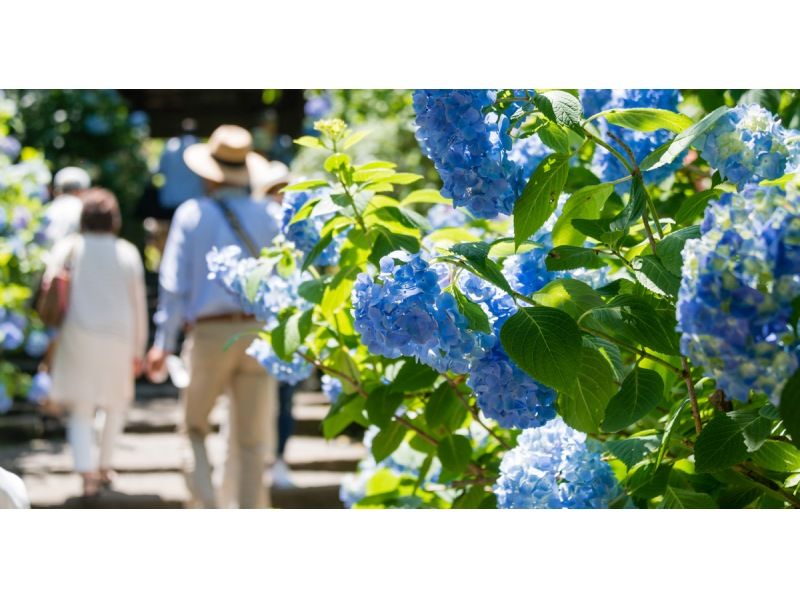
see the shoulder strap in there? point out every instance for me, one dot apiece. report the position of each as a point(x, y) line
point(237, 227)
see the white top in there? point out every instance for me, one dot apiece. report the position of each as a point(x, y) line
point(64, 217)
point(107, 293)
point(13, 494)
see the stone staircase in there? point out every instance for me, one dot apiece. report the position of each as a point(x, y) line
point(150, 455)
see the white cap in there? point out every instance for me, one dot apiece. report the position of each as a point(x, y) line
point(72, 178)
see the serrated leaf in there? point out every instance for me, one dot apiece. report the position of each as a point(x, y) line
point(312, 290)
point(561, 107)
point(632, 451)
point(678, 498)
point(290, 333)
point(668, 430)
point(634, 209)
point(586, 203)
point(567, 294)
point(387, 440)
point(430, 196)
point(594, 384)
point(669, 248)
point(444, 408)
point(790, 407)
point(641, 391)
point(567, 257)
point(309, 141)
point(477, 256)
point(306, 185)
point(476, 317)
point(546, 344)
point(665, 155)
point(722, 441)
point(775, 455)
point(646, 119)
point(693, 206)
point(654, 276)
point(454, 451)
point(413, 376)
point(354, 138)
point(540, 196)
point(381, 405)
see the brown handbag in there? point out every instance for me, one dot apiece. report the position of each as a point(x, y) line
point(53, 300)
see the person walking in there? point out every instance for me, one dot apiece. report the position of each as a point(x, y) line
point(63, 214)
point(214, 349)
point(103, 337)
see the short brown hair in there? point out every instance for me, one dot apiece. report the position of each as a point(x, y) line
point(100, 212)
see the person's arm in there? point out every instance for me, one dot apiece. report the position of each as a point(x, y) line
point(173, 287)
point(139, 295)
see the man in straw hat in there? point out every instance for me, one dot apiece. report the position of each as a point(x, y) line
point(228, 215)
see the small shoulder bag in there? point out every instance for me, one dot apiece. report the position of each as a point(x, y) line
point(53, 300)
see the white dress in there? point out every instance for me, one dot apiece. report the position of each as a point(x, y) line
point(106, 323)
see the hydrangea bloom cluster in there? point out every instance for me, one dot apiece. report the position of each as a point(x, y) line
point(306, 233)
point(291, 372)
point(553, 467)
point(747, 144)
point(404, 312)
point(504, 392)
point(12, 329)
point(470, 149)
point(5, 400)
point(604, 164)
point(271, 294)
point(40, 388)
point(331, 387)
point(739, 281)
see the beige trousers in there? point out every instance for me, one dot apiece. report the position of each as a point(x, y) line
point(214, 371)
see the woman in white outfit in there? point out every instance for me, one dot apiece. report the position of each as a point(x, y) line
point(102, 340)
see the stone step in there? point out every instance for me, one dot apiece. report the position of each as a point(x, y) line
point(315, 490)
point(167, 452)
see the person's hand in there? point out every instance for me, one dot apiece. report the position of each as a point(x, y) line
point(138, 366)
point(156, 361)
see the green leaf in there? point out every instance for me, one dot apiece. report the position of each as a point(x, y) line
point(655, 276)
point(641, 391)
point(678, 498)
point(720, 444)
point(669, 248)
point(560, 107)
point(477, 256)
point(382, 403)
point(354, 138)
point(646, 119)
point(336, 162)
point(539, 198)
point(594, 384)
point(633, 321)
point(634, 450)
point(546, 344)
point(430, 196)
point(775, 455)
point(634, 209)
point(305, 185)
point(569, 295)
point(341, 415)
point(585, 203)
point(647, 480)
point(554, 137)
point(661, 157)
point(317, 250)
point(454, 451)
point(387, 440)
point(476, 317)
point(790, 407)
point(309, 141)
point(567, 257)
point(693, 206)
point(668, 430)
point(413, 376)
point(312, 290)
point(290, 333)
point(386, 241)
point(445, 409)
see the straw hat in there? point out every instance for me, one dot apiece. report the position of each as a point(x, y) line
point(228, 158)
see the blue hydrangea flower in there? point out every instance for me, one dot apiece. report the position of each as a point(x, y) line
point(318, 106)
point(404, 312)
point(739, 281)
point(306, 233)
point(41, 384)
point(5, 400)
point(604, 164)
point(553, 467)
point(504, 392)
point(470, 149)
point(331, 388)
point(291, 372)
point(37, 343)
point(747, 144)
point(12, 334)
point(10, 147)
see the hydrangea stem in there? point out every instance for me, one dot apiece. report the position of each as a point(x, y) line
point(686, 373)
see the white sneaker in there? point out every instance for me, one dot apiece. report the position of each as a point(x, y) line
point(281, 475)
